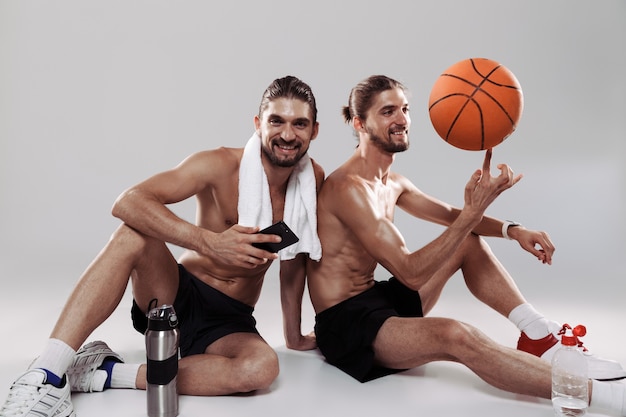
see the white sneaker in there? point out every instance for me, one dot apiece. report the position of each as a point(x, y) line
point(30, 396)
point(599, 368)
point(83, 374)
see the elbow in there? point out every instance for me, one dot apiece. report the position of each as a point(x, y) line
point(411, 283)
point(411, 278)
point(121, 202)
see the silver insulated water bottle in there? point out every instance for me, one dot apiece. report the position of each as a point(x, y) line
point(162, 366)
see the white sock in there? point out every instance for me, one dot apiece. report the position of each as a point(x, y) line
point(56, 357)
point(98, 380)
point(530, 321)
point(609, 396)
point(124, 375)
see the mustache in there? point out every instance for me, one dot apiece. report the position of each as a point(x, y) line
point(283, 142)
point(399, 128)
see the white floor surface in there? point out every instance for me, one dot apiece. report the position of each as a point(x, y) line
point(307, 386)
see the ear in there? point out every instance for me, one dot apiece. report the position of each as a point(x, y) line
point(358, 124)
point(257, 125)
point(316, 129)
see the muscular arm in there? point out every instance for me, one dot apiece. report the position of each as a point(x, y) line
point(144, 208)
point(423, 206)
point(292, 283)
point(293, 274)
point(381, 239)
point(426, 207)
point(361, 210)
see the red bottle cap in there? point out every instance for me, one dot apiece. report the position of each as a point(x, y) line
point(569, 336)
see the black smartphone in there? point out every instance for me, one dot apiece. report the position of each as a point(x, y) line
point(281, 229)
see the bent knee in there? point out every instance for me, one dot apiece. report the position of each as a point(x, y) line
point(475, 242)
point(257, 372)
point(128, 239)
point(459, 335)
point(475, 249)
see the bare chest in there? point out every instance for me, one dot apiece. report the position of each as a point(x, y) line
point(384, 199)
point(217, 208)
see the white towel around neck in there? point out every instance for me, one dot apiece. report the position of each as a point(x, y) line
point(255, 205)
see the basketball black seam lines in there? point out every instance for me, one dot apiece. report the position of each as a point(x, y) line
point(477, 87)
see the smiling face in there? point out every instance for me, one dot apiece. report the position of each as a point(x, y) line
point(286, 129)
point(387, 122)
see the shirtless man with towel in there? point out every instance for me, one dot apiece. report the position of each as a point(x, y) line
point(221, 273)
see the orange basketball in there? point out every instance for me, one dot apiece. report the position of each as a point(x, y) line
point(475, 104)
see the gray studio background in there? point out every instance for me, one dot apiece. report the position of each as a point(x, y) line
point(97, 95)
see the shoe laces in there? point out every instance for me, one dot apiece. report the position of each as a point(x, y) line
point(21, 396)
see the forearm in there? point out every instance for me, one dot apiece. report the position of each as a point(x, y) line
point(488, 226)
point(292, 284)
point(148, 215)
point(292, 319)
point(491, 227)
point(421, 265)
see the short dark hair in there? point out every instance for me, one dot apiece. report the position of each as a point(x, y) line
point(289, 87)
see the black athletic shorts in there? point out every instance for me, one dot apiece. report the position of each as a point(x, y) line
point(345, 332)
point(204, 315)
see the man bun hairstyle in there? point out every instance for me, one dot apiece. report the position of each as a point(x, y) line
point(363, 94)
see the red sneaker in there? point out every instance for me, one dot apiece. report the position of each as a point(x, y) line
point(536, 347)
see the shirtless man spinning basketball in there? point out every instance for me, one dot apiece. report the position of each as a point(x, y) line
point(372, 328)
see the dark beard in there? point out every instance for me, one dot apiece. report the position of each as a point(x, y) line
point(387, 145)
point(281, 162)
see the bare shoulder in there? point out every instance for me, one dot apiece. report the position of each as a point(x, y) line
point(398, 178)
point(223, 160)
point(222, 155)
point(342, 188)
point(204, 169)
point(402, 183)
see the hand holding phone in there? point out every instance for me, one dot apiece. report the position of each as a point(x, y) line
point(281, 229)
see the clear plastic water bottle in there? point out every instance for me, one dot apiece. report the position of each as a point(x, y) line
point(162, 339)
point(570, 389)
